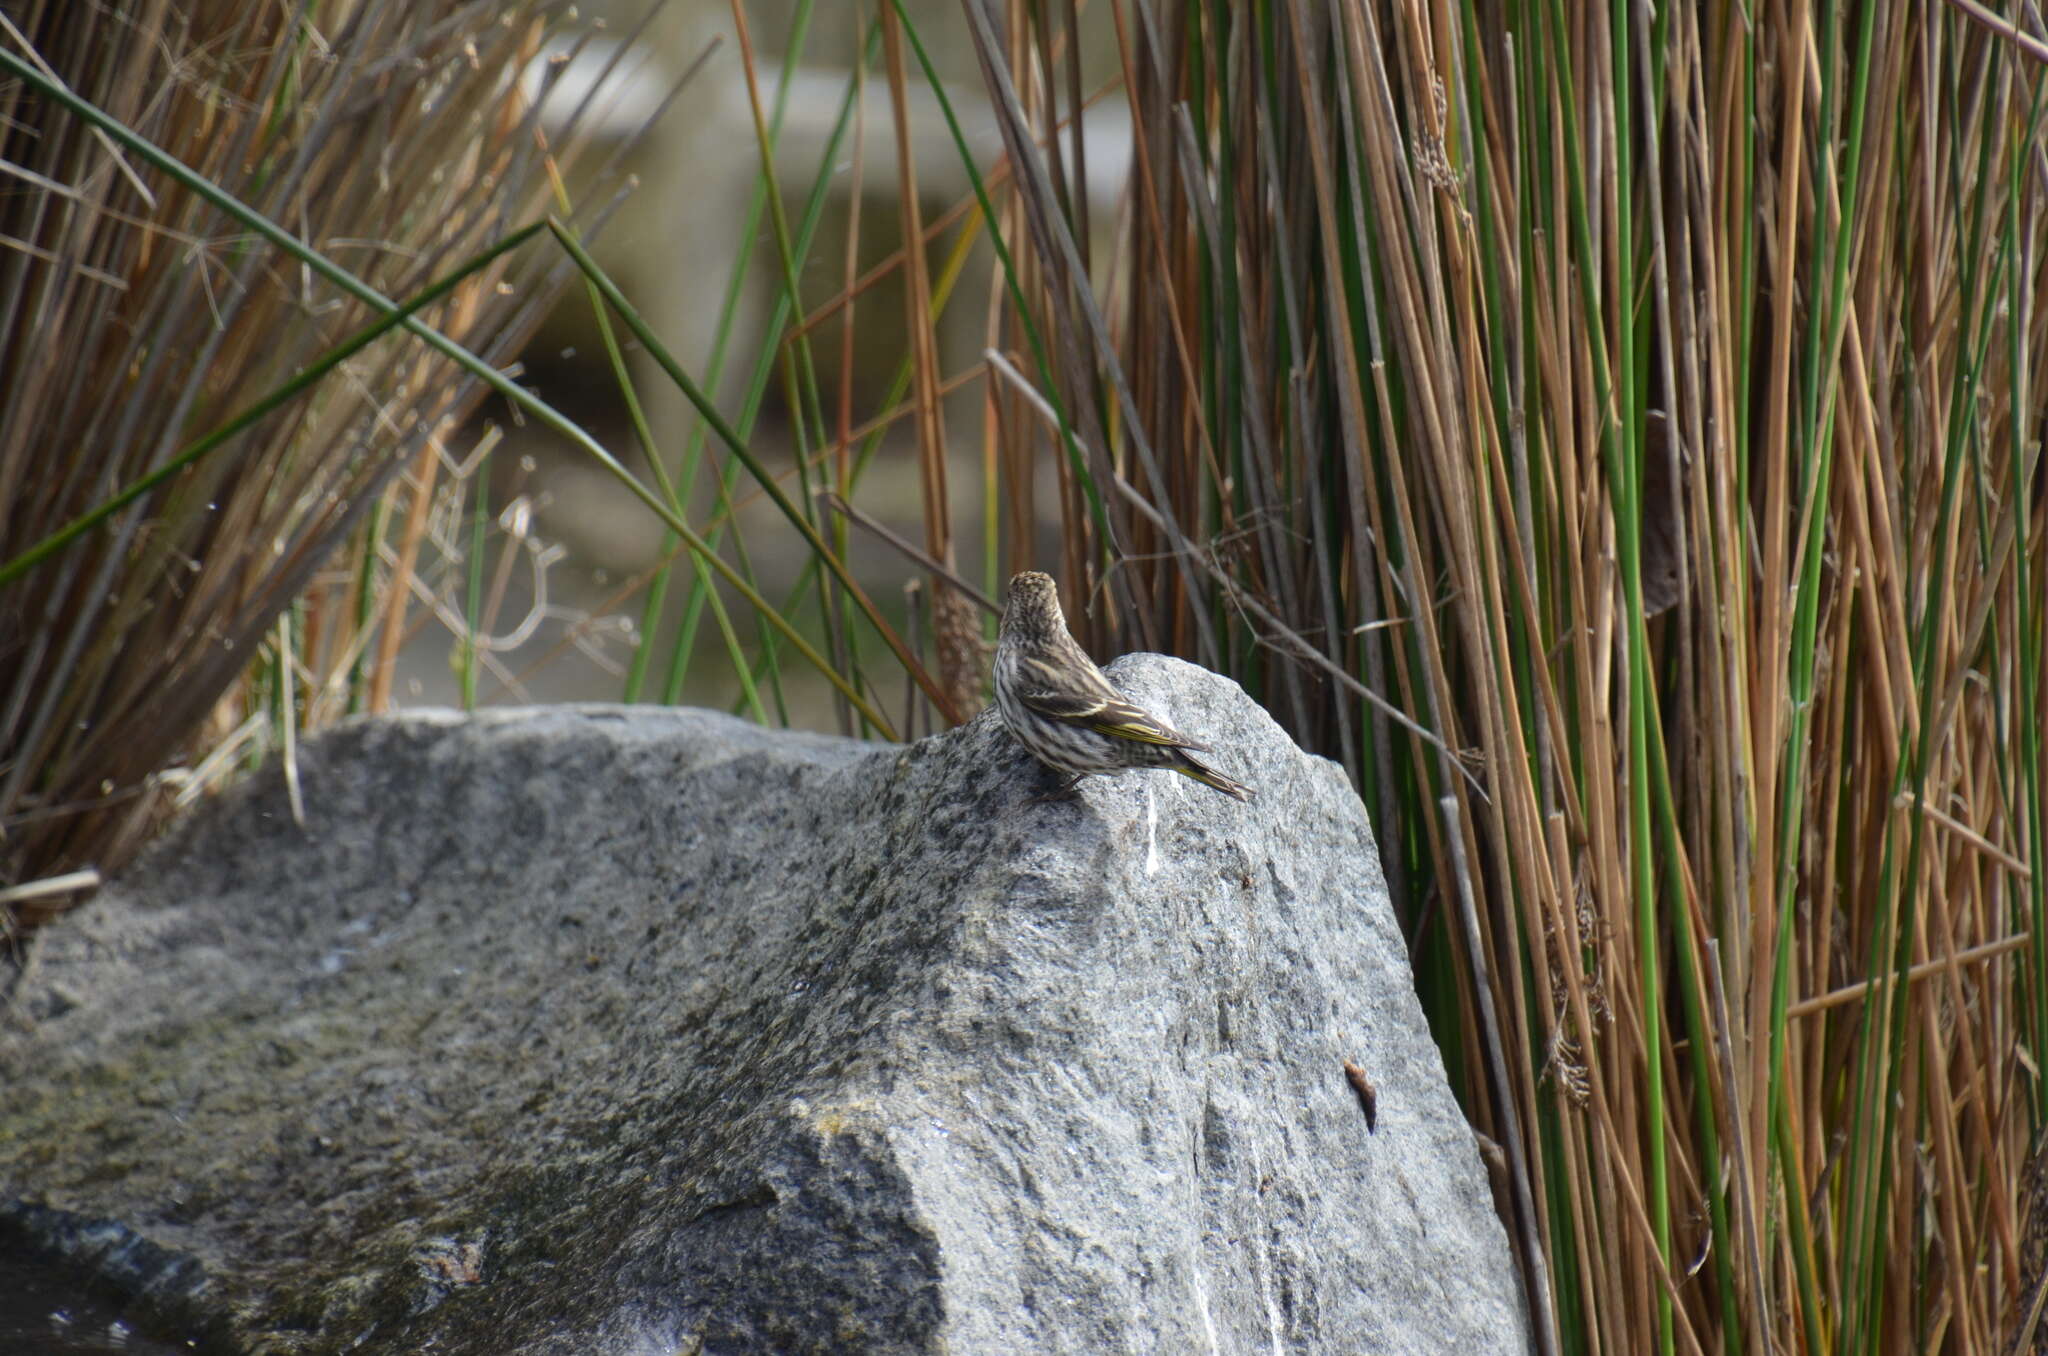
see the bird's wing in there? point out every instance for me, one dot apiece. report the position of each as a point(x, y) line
point(1109, 716)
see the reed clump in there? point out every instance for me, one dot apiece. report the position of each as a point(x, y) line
point(186, 629)
point(1614, 434)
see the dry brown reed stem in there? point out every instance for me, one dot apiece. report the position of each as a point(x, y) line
point(138, 317)
point(955, 627)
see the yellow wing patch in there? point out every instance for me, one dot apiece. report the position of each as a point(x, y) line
point(1125, 721)
point(1117, 719)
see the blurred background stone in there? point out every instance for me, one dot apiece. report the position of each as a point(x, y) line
point(673, 244)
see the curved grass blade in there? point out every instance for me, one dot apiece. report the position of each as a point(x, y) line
point(761, 473)
point(192, 453)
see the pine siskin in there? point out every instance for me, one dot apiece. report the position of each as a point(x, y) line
point(1064, 710)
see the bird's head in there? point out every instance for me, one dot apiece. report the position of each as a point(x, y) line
point(1034, 604)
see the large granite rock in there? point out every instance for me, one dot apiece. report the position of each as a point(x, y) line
point(594, 1030)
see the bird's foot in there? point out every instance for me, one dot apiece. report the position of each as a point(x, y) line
point(1068, 788)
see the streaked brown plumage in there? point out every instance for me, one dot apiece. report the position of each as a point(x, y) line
point(1067, 713)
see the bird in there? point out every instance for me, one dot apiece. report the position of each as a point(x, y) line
point(1066, 711)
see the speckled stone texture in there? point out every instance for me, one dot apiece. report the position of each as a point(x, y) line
point(594, 1030)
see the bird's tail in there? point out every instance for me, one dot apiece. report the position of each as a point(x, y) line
point(1188, 766)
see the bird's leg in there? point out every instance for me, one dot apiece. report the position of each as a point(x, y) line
point(1066, 790)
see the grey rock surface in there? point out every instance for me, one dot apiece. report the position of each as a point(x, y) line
point(608, 1030)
